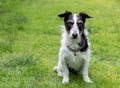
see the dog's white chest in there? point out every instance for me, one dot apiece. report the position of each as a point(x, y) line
point(75, 61)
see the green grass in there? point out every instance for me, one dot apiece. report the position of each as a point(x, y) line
point(30, 40)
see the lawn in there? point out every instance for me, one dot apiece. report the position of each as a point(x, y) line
point(30, 40)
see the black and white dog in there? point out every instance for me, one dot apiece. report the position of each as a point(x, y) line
point(75, 48)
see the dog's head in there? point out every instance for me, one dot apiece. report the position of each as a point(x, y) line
point(74, 23)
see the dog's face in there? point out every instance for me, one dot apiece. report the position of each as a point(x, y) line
point(74, 23)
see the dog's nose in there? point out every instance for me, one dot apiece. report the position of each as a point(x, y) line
point(74, 35)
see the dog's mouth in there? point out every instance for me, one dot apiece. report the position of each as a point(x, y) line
point(74, 38)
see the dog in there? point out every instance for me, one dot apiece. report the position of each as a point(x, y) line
point(74, 52)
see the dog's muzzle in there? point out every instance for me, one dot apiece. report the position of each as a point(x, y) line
point(74, 35)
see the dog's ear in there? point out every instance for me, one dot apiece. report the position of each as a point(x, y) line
point(65, 14)
point(84, 16)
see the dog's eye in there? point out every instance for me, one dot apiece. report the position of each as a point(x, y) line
point(69, 24)
point(80, 26)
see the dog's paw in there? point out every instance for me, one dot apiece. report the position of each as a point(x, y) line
point(88, 81)
point(65, 80)
point(55, 69)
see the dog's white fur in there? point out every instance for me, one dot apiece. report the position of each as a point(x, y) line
point(80, 62)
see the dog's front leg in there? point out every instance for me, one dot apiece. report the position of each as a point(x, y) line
point(85, 72)
point(65, 72)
